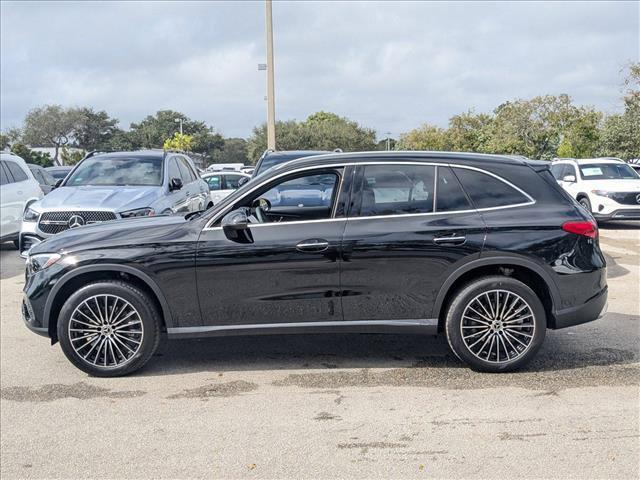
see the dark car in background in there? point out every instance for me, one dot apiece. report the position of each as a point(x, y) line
point(59, 172)
point(488, 250)
point(109, 186)
point(44, 178)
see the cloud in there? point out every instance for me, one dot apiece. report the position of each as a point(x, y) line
point(388, 65)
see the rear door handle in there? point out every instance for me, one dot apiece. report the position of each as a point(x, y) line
point(450, 240)
point(313, 245)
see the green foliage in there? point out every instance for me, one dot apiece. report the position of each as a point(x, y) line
point(234, 150)
point(94, 130)
point(426, 137)
point(4, 141)
point(320, 131)
point(49, 126)
point(31, 156)
point(71, 157)
point(179, 141)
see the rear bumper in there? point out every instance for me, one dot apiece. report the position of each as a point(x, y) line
point(591, 310)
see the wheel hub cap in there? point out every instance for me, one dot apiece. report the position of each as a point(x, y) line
point(497, 326)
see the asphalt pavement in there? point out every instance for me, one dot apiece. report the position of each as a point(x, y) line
point(330, 406)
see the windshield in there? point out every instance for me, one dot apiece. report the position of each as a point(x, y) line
point(607, 171)
point(117, 172)
point(271, 161)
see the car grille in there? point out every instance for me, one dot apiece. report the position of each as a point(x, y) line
point(626, 198)
point(56, 222)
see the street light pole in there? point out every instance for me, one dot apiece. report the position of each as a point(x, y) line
point(271, 108)
point(179, 120)
point(388, 141)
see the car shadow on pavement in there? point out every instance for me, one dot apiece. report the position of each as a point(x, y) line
point(592, 345)
point(11, 264)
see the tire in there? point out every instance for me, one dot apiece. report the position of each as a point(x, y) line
point(114, 346)
point(586, 203)
point(515, 324)
point(16, 243)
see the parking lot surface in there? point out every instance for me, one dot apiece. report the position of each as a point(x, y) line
point(359, 406)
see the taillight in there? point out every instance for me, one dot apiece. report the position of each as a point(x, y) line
point(586, 228)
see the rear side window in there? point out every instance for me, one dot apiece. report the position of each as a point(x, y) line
point(4, 178)
point(449, 194)
point(487, 191)
point(397, 189)
point(16, 171)
point(232, 181)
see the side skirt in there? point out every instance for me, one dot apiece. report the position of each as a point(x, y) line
point(427, 326)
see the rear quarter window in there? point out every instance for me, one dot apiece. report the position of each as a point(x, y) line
point(487, 191)
point(16, 171)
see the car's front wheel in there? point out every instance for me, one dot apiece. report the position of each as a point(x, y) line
point(495, 324)
point(109, 328)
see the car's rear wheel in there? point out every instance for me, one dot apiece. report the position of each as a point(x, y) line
point(109, 328)
point(495, 324)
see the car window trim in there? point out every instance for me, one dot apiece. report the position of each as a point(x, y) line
point(226, 209)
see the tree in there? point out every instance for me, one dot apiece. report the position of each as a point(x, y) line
point(620, 136)
point(320, 131)
point(71, 157)
point(234, 150)
point(426, 137)
point(31, 156)
point(469, 132)
point(49, 126)
point(94, 130)
point(179, 141)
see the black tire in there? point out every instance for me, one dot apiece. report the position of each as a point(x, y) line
point(16, 243)
point(149, 320)
point(507, 288)
point(586, 204)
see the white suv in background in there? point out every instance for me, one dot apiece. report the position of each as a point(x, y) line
point(18, 190)
point(607, 187)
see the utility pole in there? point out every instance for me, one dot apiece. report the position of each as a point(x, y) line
point(180, 121)
point(271, 103)
point(388, 141)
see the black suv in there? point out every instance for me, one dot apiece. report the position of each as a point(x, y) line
point(488, 250)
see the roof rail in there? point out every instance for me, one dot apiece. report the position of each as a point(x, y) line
point(337, 150)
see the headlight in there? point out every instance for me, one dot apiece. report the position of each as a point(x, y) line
point(138, 212)
point(601, 193)
point(40, 261)
point(30, 215)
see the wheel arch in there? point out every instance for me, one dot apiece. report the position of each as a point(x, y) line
point(83, 275)
point(518, 267)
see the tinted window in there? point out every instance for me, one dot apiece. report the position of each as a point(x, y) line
point(174, 172)
point(17, 173)
point(232, 181)
point(59, 174)
point(214, 182)
point(187, 174)
point(556, 170)
point(487, 191)
point(4, 179)
point(569, 170)
point(117, 172)
point(397, 189)
point(607, 171)
point(48, 179)
point(449, 193)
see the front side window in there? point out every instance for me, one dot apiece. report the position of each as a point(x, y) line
point(117, 172)
point(487, 191)
point(187, 174)
point(607, 171)
point(174, 171)
point(17, 173)
point(306, 197)
point(214, 182)
point(397, 189)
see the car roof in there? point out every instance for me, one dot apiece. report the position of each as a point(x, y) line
point(585, 161)
point(382, 156)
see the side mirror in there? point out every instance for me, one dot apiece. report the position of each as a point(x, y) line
point(235, 225)
point(58, 182)
point(242, 181)
point(175, 184)
point(569, 178)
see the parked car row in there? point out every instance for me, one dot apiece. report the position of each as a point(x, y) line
point(487, 250)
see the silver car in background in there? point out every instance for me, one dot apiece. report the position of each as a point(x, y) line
point(110, 186)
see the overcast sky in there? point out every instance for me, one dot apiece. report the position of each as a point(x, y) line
point(389, 65)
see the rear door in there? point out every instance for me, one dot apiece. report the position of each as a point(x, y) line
point(409, 226)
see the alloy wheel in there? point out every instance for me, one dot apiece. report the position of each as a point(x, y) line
point(497, 326)
point(106, 331)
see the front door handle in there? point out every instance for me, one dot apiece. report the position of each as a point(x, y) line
point(450, 240)
point(312, 245)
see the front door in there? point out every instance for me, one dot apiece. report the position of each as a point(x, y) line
point(408, 227)
point(287, 268)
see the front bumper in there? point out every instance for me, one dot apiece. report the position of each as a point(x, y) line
point(591, 310)
point(30, 319)
point(619, 214)
point(29, 236)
